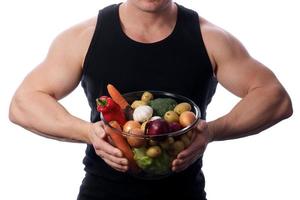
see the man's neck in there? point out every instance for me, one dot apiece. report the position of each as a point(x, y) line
point(145, 20)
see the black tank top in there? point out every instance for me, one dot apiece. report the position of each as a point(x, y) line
point(177, 64)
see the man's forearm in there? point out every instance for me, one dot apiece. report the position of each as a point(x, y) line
point(260, 109)
point(42, 114)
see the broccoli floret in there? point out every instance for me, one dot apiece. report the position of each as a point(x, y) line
point(142, 160)
point(162, 105)
point(158, 165)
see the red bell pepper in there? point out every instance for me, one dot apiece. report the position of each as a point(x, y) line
point(110, 110)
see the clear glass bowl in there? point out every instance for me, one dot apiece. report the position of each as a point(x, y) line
point(167, 145)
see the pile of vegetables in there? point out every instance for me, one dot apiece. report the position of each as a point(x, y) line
point(151, 117)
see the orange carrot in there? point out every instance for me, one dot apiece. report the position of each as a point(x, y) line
point(115, 125)
point(121, 143)
point(116, 96)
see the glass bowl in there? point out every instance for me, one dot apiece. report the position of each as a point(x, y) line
point(151, 156)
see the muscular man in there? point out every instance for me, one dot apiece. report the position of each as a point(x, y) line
point(147, 45)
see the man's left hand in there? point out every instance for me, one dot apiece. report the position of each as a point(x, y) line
point(200, 138)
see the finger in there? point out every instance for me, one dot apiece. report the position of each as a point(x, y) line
point(190, 159)
point(187, 152)
point(198, 129)
point(189, 148)
point(177, 162)
point(198, 145)
point(101, 143)
point(194, 148)
point(122, 168)
point(194, 135)
point(179, 168)
point(120, 161)
point(108, 148)
point(179, 165)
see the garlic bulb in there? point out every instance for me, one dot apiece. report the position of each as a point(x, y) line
point(142, 113)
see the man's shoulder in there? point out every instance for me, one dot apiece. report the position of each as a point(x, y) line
point(218, 41)
point(84, 29)
point(78, 33)
point(208, 29)
point(212, 36)
point(217, 37)
point(74, 41)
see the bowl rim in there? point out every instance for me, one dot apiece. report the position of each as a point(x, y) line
point(170, 134)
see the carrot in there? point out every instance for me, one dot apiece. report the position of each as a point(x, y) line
point(115, 125)
point(116, 96)
point(122, 144)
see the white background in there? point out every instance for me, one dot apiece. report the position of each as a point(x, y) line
point(265, 166)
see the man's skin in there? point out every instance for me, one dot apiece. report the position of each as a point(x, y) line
point(264, 101)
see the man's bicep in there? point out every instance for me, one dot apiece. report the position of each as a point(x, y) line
point(56, 80)
point(237, 71)
point(242, 76)
point(60, 72)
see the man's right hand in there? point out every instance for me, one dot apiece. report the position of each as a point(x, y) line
point(110, 154)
